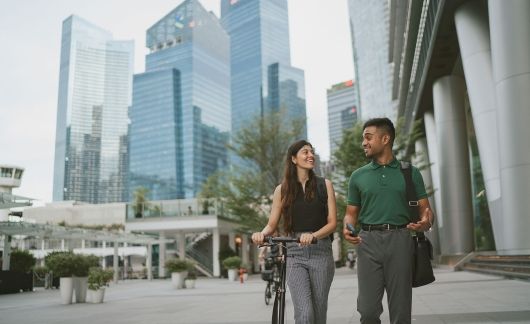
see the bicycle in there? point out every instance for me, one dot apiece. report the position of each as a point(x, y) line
point(278, 311)
point(271, 274)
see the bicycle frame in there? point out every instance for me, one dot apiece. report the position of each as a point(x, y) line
point(278, 312)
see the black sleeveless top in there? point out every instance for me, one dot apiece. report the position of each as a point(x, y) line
point(308, 216)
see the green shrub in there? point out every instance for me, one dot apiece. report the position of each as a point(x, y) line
point(233, 262)
point(98, 277)
point(178, 265)
point(82, 264)
point(22, 261)
point(62, 264)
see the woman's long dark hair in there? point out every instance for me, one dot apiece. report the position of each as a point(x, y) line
point(290, 186)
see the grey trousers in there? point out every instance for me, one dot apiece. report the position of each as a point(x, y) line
point(384, 261)
point(310, 271)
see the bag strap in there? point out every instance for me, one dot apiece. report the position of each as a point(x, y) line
point(322, 192)
point(412, 200)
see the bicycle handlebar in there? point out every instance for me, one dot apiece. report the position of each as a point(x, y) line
point(280, 239)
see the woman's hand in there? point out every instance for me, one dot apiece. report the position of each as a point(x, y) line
point(258, 238)
point(306, 239)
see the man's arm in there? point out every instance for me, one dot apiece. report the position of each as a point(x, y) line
point(351, 217)
point(426, 217)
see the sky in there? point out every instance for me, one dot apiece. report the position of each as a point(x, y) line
point(30, 45)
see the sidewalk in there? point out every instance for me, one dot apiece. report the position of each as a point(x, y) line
point(455, 297)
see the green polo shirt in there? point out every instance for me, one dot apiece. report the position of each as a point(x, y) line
point(380, 192)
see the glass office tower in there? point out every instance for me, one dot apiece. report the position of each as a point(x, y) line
point(342, 111)
point(180, 117)
point(95, 84)
point(370, 34)
point(262, 76)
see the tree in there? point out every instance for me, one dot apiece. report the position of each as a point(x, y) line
point(140, 203)
point(247, 190)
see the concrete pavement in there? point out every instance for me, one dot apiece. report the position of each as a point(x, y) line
point(455, 297)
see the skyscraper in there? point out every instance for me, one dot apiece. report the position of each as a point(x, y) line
point(369, 31)
point(342, 111)
point(262, 76)
point(94, 95)
point(180, 117)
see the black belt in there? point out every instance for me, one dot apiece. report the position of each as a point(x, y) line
point(381, 227)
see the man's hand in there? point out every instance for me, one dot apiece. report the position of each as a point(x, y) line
point(348, 237)
point(424, 224)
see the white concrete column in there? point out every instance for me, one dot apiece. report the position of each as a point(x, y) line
point(472, 27)
point(455, 178)
point(104, 261)
point(162, 255)
point(6, 258)
point(432, 147)
point(422, 157)
point(115, 260)
point(125, 262)
point(82, 244)
point(510, 53)
point(245, 249)
point(215, 252)
point(62, 244)
point(181, 245)
point(149, 261)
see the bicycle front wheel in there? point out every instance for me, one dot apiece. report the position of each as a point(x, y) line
point(268, 293)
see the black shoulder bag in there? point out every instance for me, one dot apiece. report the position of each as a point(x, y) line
point(422, 273)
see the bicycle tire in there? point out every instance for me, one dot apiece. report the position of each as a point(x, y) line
point(268, 293)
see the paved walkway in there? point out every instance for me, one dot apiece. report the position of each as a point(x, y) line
point(456, 297)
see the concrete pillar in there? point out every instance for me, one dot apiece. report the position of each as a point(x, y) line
point(510, 54)
point(245, 251)
point(432, 147)
point(115, 263)
point(472, 27)
point(216, 243)
point(104, 261)
point(422, 158)
point(162, 255)
point(82, 244)
point(181, 245)
point(62, 245)
point(125, 262)
point(6, 257)
point(455, 179)
point(149, 261)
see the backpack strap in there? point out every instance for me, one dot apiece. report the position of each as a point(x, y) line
point(322, 192)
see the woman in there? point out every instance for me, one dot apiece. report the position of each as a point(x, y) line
point(310, 267)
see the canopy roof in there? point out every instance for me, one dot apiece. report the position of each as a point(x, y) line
point(8, 200)
point(46, 231)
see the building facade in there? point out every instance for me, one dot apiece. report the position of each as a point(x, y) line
point(370, 41)
point(465, 66)
point(342, 111)
point(95, 84)
point(180, 116)
point(262, 76)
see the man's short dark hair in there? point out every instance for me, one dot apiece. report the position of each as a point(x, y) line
point(382, 123)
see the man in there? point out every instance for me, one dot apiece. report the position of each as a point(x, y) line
point(377, 200)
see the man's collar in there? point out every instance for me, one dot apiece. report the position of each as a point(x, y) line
point(393, 164)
